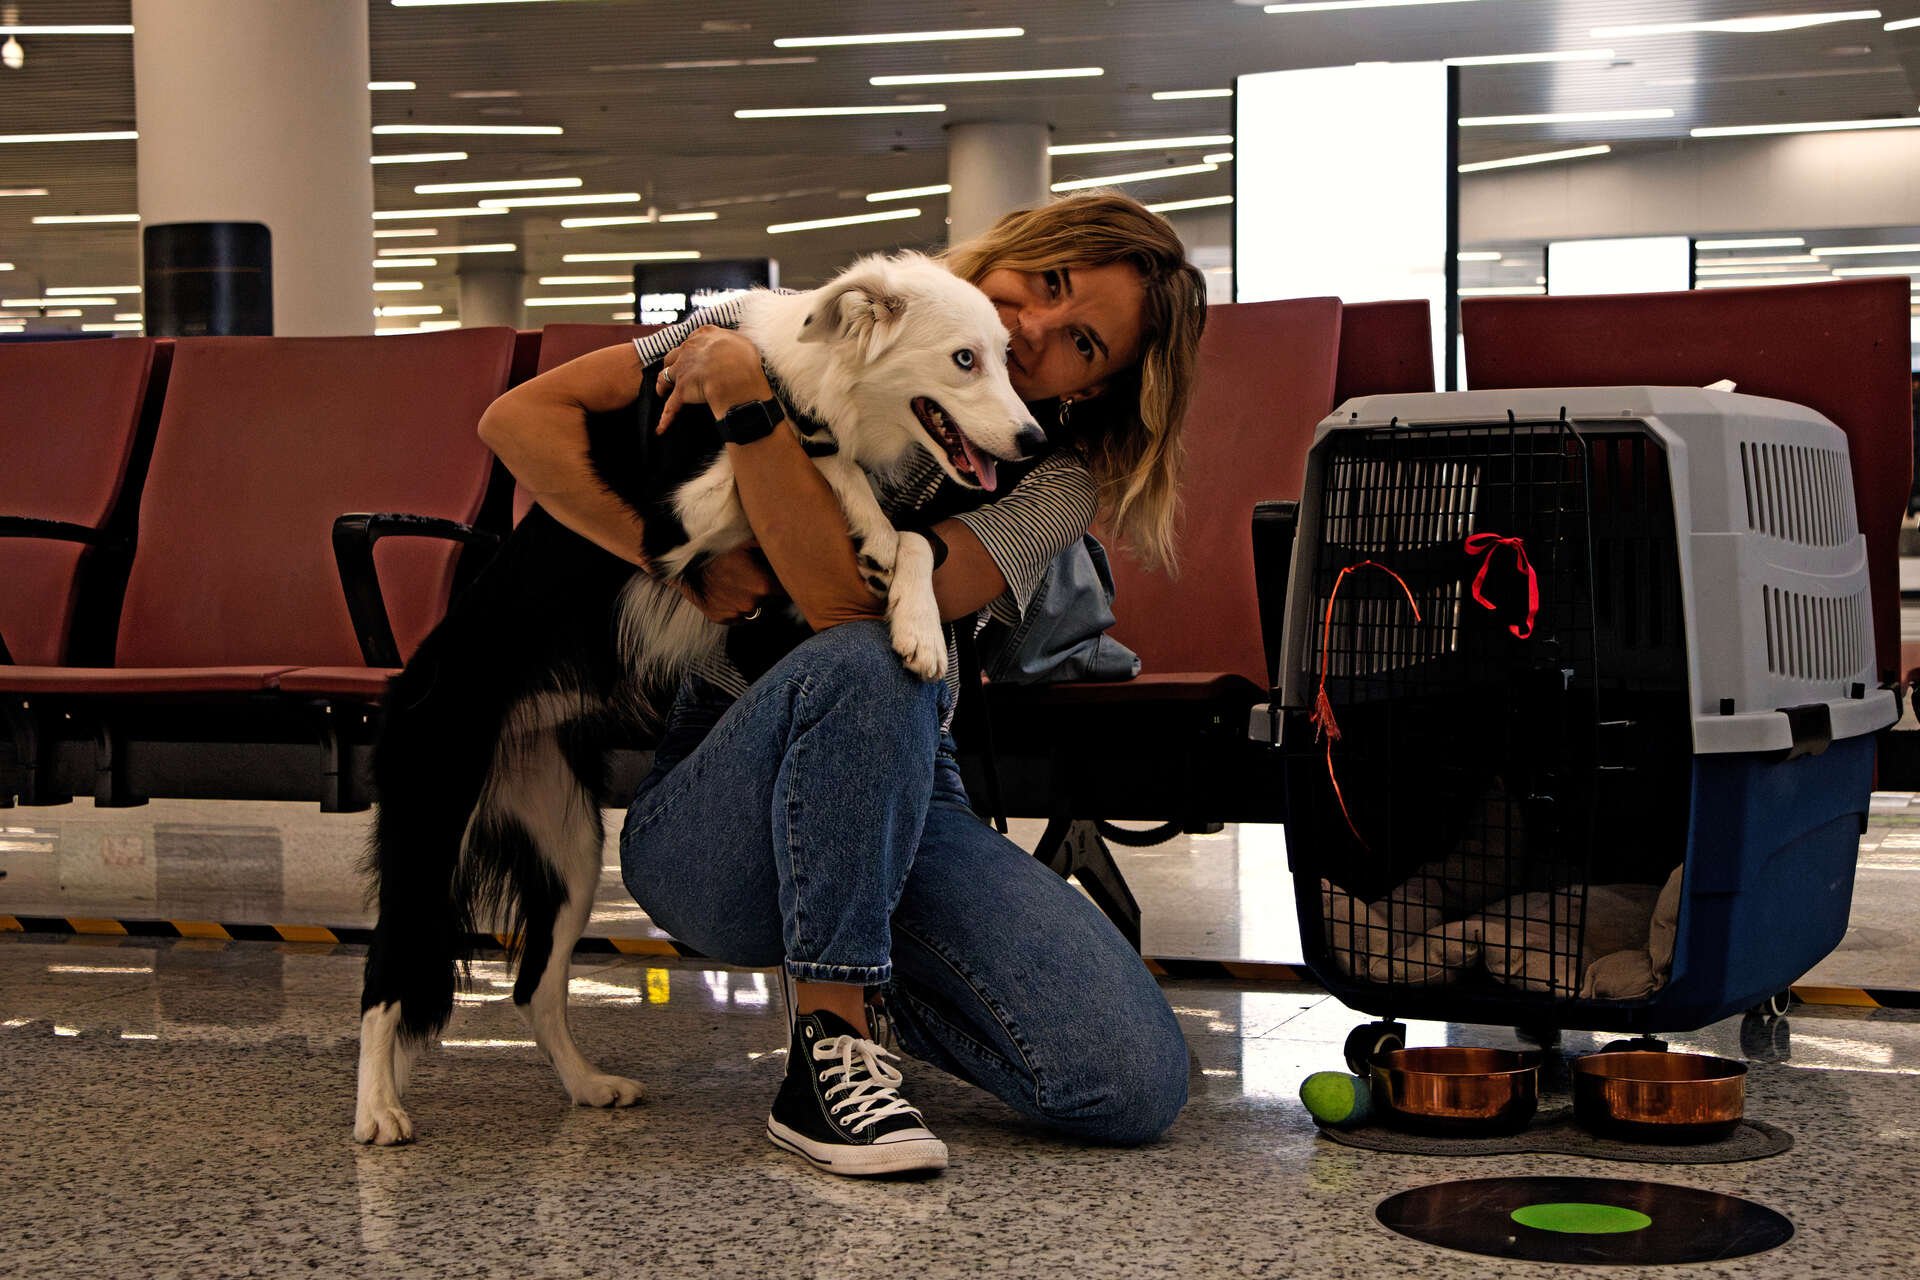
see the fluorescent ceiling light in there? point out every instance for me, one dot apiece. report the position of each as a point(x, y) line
point(626, 279)
point(117, 326)
point(1824, 126)
point(467, 212)
point(421, 157)
point(520, 184)
point(6, 266)
point(1764, 242)
point(452, 248)
point(1748, 26)
point(390, 86)
point(408, 311)
point(471, 94)
point(1176, 95)
point(1143, 144)
point(977, 77)
point(597, 300)
point(910, 193)
point(406, 262)
point(543, 130)
point(1540, 157)
point(888, 215)
point(71, 29)
point(52, 219)
point(1500, 290)
point(1329, 6)
point(1902, 25)
point(634, 220)
point(655, 255)
point(1891, 269)
point(1202, 202)
point(87, 291)
point(701, 216)
point(1217, 157)
point(1569, 117)
point(1476, 255)
point(1748, 269)
point(1772, 261)
point(703, 64)
point(534, 202)
point(48, 315)
point(397, 286)
point(1143, 175)
point(1839, 250)
point(110, 136)
point(900, 37)
point(58, 302)
point(23, 191)
point(775, 113)
point(128, 315)
point(400, 232)
point(1514, 59)
point(1758, 281)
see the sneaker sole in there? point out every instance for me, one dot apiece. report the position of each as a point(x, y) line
point(861, 1162)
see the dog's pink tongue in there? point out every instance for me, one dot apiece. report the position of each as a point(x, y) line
point(982, 464)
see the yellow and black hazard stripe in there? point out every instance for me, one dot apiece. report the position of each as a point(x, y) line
point(344, 936)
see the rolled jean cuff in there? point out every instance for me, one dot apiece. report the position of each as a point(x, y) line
point(850, 974)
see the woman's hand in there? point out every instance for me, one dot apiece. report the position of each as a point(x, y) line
point(717, 367)
point(733, 585)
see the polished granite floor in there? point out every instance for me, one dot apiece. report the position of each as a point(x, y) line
point(184, 1109)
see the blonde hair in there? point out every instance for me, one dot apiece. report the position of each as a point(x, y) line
point(1137, 462)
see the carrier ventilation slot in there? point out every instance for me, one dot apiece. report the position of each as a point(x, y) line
point(1380, 507)
point(1814, 637)
point(1798, 493)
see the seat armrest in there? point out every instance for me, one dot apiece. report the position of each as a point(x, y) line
point(1274, 525)
point(56, 531)
point(354, 537)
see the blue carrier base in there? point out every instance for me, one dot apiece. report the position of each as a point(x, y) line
point(1768, 887)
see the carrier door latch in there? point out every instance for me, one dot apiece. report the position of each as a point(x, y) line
point(1811, 725)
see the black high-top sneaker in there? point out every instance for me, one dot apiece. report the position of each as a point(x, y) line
point(840, 1105)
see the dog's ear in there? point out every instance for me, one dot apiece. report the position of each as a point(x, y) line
point(860, 306)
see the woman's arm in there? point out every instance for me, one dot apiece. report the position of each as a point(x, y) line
point(539, 429)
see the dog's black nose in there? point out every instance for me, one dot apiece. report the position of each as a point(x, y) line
point(1030, 440)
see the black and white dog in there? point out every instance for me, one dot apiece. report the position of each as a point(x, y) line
point(489, 768)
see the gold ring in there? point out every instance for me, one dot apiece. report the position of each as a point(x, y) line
point(750, 614)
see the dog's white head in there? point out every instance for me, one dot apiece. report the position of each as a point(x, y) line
point(921, 358)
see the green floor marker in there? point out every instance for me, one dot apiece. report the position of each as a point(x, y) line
point(1581, 1219)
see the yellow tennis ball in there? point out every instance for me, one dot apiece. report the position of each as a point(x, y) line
point(1336, 1098)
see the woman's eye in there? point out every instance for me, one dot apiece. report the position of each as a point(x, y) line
point(963, 358)
point(1052, 280)
point(1084, 345)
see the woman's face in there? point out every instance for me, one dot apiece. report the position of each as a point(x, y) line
point(1069, 329)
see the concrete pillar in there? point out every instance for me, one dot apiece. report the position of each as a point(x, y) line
point(252, 112)
point(995, 168)
point(492, 291)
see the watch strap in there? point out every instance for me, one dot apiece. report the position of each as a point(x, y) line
point(754, 420)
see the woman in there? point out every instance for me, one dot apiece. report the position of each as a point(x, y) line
point(815, 819)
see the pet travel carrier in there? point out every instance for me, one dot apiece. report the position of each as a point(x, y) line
point(1576, 694)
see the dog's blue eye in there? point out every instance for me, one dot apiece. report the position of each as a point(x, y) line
point(963, 358)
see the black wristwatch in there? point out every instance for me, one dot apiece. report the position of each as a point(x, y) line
point(754, 420)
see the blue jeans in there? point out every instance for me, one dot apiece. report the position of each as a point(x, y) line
point(819, 822)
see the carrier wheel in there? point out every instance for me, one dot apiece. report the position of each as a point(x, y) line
point(1764, 1039)
point(1371, 1038)
point(1639, 1044)
point(1774, 1006)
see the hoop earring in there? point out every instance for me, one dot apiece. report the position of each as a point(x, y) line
point(1066, 411)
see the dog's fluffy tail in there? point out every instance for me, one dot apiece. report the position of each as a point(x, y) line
point(661, 634)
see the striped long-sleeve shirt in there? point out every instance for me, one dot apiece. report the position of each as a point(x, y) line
point(1022, 529)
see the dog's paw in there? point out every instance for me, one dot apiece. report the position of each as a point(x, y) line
point(877, 557)
point(607, 1091)
point(384, 1126)
point(918, 640)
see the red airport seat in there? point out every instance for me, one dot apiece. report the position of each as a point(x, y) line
point(76, 424)
point(1841, 348)
point(526, 356)
point(1386, 348)
point(262, 444)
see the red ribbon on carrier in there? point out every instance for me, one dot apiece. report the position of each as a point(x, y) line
point(1489, 543)
point(1324, 725)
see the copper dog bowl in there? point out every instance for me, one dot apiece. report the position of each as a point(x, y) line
point(1659, 1097)
point(1456, 1090)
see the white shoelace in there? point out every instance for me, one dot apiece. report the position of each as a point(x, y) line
point(869, 1082)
